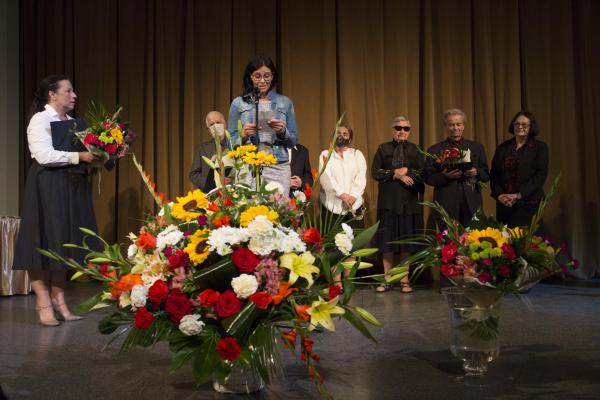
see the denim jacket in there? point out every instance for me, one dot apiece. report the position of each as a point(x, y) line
point(241, 110)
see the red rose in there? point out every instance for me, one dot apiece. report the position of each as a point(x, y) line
point(178, 305)
point(261, 299)
point(312, 236)
point(334, 291)
point(509, 251)
point(228, 349)
point(158, 292)
point(228, 304)
point(209, 297)
point(89, 139)
point(485, 277)
point(244, 260)
point(143, 318)
point(504, 271)
point(449, 252)
point(111, 149)
point(440, 236)
point(179, 259)
point(449, 270)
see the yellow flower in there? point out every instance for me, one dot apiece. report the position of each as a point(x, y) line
point(186, 208)
point(300, 266)
point(117, 135)
point(516, 232)
point(197, 249)
point(260, 158)
point(320, 313)
point(241, 151)
point(247, 216)
point(490, 235)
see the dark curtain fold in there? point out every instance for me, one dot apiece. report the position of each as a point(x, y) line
point(169, 63)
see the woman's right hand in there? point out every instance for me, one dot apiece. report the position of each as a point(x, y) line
point(87, 157)
point(248, 130)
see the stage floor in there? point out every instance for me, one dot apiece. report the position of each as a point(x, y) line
point(549, 351)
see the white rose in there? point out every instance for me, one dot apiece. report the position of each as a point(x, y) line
point(300, 196)
point(244, 285)
point(274, 186)
point(138, 296)
point(191, 325)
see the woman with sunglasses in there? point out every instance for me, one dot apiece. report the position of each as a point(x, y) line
point(396, 167)
point(275, 131)
point(519, 170)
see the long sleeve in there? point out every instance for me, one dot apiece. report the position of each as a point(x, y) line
point(39, 139)
point(196, 170)
point(483, 173)
point(306, 171)
point(359, 182)
point(538, 174)
point(232, 123)
point(495, 174)
point(327, 180)
point(379, 173)
point(289, 138)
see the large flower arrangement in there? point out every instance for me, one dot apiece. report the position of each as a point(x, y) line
point(221, 275)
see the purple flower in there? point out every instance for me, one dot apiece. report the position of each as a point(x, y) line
point(168, 251)
point(487, 261)
point(485, 277)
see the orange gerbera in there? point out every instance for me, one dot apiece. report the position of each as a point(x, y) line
point(284, 291)
point(125, 284)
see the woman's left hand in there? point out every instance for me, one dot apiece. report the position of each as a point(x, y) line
point(277, 125)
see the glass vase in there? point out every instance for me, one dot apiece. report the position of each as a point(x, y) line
point(241, 379)
point(474, 321)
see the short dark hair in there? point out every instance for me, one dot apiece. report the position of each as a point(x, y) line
point(534, 129)
point(40, 97)
point(255, 63)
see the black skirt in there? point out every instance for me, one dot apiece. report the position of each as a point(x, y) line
point(58, 200)
point(393, 226)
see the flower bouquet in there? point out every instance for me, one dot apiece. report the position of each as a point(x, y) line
point(451, 158)
point(221, 276)
point(106, 135)
point(485, 261)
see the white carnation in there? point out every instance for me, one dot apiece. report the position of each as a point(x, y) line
point(139, 294)
point(300, 196)
point(343, 243)
point(169, 237)
point(131, 252)
point(244, 285)
point(191, 325)
point(260, 225)
point(221, 239)
point(273, 185)
point(263, 236)
point(348, 230)
point(291, 242)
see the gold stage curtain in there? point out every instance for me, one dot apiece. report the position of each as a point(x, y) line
point(169, 63)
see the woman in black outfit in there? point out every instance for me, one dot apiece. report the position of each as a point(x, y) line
point(519, 170)
point(57, 201)
point(396, 167)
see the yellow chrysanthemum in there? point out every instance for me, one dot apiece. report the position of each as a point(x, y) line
point(260, 158)
point(490, 235)
point(186, 208)
point(117, 135)
point(197, 249)
point(247, 216)
point(241, 151)
point(516, 232)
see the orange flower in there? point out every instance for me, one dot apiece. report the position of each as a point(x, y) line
point(223, 220)
point(314, 173)
point(293, 202)
point(289, 338)
point(314, 374)
point(146, 241)
point(301, 312)
point(284, 291)
point(307, 345)
point(125, 284)
point(212, 206)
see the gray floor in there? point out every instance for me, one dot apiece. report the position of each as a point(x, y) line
point(550, 350)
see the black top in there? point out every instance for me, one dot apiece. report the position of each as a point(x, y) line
point(393, 193)
point(300, 166)
point(520, 171)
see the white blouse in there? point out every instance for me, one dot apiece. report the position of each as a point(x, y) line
point(346, 174)
point(39, 138)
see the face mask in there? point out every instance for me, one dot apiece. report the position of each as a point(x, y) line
point(342, 142)
point(218, 129)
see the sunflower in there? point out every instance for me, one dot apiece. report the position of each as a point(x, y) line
point(197, 249)
point(489, 235)
point(247, 216)
point(260, 158)
point(188, 207)
point(241, 151)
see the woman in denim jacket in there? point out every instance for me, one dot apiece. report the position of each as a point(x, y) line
point(277, 122)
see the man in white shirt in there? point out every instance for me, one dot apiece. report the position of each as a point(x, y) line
point(344, 180)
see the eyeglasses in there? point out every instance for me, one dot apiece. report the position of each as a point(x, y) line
point(522, 125)
point(402, 128)
point(258, 77)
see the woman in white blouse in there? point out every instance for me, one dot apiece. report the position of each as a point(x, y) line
point(343, 184)
point(57, 201)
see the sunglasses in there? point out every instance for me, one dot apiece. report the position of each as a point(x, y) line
point(402, 128)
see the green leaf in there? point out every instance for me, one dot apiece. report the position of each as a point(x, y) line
point(77, 275)
point(364, 252)
point(367, 316)
point(239, 325)
point(358, 324)
point(217, 276)
point(205, 361)
point(88, 304)
point(180, 358)
point(325, 267)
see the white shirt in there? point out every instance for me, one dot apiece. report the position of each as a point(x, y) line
point(346, 174)
point(39, 138)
